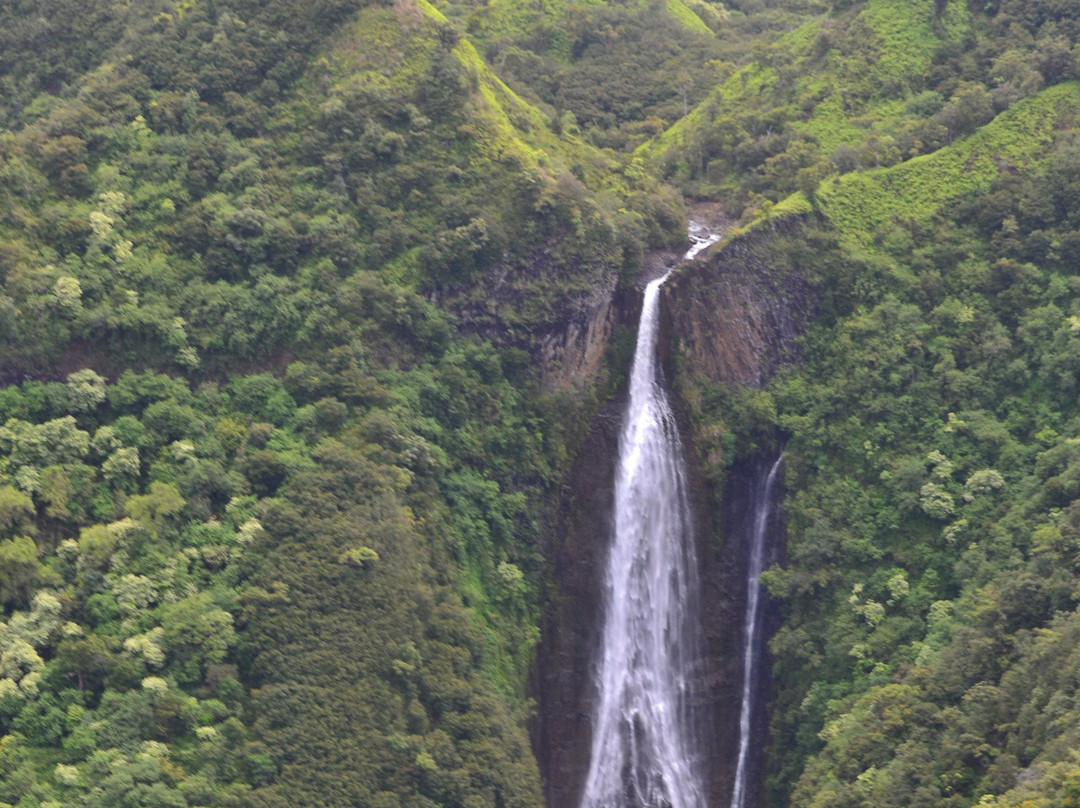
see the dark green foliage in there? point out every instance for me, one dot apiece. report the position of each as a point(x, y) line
point(631, 72)
point(232, 565)
point(425, 728)
point(932, 483)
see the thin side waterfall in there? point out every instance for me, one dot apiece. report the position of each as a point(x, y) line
point(752, 629)
point(645, 750)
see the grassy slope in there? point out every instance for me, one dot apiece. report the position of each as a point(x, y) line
point(836, 80)
point(864, 204)
point(511, 18)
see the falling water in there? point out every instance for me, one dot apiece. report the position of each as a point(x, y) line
point(752, 629)
point(645, 752)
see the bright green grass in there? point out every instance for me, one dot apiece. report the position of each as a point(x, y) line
point(861, 205)
point(385, 49)
point(514, 19)
point(799, 40)
point(733, 94)
point(830, 125)
point(686, 17)
point(794, 205)
point(748, 82)
point(394, 47)
point(906, 37)
point(500, 133)
point(909, 35)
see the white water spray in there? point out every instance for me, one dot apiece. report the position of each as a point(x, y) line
point(645, 751)
point(752, 629)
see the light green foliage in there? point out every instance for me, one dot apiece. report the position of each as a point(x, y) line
point(935, 501)
point(36, 445)
point(158, 504)
point(907, 36)
point(86, 390)
point(134, 593)
point(19, 569)
point(67, 292)
point(982, 482)
point(359, 557)
point(121, 468)
point(854, 85)
point(21, 638)
point(148, 646)
point(862, 204)
point(16, 511)
point(687, 16)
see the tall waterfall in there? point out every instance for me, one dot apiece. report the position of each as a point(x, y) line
point(752, 629)
point(645, 751)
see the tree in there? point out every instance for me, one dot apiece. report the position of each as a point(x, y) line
point(970, 107)
point(16, 512)
point(86, 390)
point(19, 570)
point(155, 507)
point(196, 633)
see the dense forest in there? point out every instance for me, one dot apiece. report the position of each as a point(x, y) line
point(282, 430)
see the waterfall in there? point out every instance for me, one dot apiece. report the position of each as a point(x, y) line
point(645, 750)
point(752, 628)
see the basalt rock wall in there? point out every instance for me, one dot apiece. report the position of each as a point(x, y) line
point(570, 628)
point(735, 316)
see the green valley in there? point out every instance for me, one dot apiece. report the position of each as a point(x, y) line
point(310, 316)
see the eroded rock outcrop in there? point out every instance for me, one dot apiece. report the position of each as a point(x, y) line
point(571, 356)
point(735, 315)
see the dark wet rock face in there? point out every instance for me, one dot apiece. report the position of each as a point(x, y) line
point(724, 596)
point(570, 630)
point(733, 317)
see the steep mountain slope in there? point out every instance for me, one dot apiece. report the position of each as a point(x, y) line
point(270, 496)
point(928, 410)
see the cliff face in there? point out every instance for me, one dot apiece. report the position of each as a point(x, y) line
point(734, 318)
point(724, 581)
point(571, 356)
point(570, 629)
point(578, 554)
